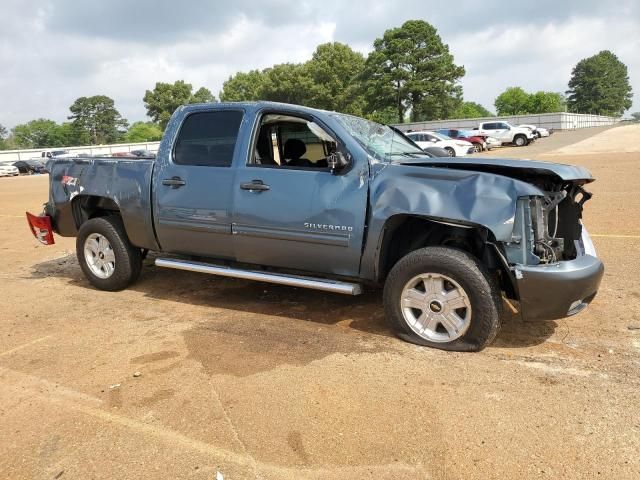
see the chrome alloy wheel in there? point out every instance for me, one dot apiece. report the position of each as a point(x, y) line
point(99, 255)
point(436, 307)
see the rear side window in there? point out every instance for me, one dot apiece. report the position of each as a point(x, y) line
point(208, 139)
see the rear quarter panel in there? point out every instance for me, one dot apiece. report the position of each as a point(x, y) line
point(125, 182)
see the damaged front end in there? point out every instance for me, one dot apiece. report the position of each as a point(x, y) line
point(548, 228)
point(555, 265)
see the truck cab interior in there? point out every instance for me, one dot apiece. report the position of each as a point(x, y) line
point(285, 141)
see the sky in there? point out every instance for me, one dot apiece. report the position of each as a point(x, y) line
point(54, 51)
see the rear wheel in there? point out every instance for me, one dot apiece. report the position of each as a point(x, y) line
point(106, 256)
point(477, 147)
point(443, 298)
point(450, 151)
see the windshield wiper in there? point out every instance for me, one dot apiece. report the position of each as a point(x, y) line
point(409, 154)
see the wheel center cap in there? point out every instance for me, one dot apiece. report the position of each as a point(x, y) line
point(435, 306)
point(101, 255)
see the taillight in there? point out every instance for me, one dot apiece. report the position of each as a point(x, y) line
point(41, 228)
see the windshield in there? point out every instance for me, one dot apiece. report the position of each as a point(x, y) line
point(380, 141)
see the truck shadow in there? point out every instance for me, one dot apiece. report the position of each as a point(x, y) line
point(363, 313)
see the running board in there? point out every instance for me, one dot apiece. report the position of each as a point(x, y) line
point(283, 279)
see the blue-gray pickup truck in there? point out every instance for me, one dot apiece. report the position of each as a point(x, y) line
point(309, 198)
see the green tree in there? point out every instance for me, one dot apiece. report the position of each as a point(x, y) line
point(143, 132)
point(243, 87)
point(513, 101)
point(470, 110)
point(69, 135)
point(335, 70)
point(96, 120)
point(546, 102)
point(3, 137)
point(165, 98)
point(38, 133)
point(202, 95)
point(600, 84)
point(411, 70)
point(288, 83)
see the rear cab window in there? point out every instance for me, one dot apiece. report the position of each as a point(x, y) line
point(208, 139)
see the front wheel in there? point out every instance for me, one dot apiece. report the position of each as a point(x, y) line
point(450, 151)
point(106, 256)
point(444, 298)
point(477, 147)
point(520, 140)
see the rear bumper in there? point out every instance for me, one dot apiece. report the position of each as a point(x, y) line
point(549, 292)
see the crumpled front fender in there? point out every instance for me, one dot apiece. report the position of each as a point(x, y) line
point(456, 196)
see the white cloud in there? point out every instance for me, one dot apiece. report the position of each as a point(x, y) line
point(540, 58)
point(52, 53)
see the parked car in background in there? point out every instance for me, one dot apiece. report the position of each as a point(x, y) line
point(30, 166)
point(8, 170)
point(478, 141)
point(537, 131)
point(506, 133)
point(455, 148)
point(143, 153)
point(492, 142)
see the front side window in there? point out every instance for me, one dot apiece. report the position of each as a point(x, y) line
point(208, 139)
point(286, 141)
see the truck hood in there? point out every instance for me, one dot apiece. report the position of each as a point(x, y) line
point(514, 168)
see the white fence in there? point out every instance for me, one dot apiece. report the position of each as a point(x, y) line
point(555, 121)
point(15, 155)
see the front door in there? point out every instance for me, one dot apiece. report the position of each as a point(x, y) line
point(290, 210)
point(193, 185)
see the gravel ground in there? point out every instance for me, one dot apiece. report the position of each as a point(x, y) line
point(262, 381)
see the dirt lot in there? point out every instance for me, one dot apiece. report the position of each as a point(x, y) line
point(261, 381)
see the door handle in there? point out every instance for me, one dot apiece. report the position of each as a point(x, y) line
point(174, 182)
point(255, 185)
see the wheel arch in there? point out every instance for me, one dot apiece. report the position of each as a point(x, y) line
point(404, 233)
point(85, 207)
point(135, 217)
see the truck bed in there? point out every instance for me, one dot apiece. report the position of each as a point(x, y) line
point(77, 182)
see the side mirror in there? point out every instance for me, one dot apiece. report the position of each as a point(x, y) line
point(336, 161)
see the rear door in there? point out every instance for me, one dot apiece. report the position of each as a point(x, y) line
point(290, 211)
point(193, 185)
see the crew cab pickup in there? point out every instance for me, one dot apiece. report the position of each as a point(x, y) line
point(506, 133)
point(309, 198)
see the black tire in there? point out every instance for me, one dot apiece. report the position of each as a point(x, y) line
point(450, 151)
point(520, 141)
point(128, 259)
point(481, 288)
